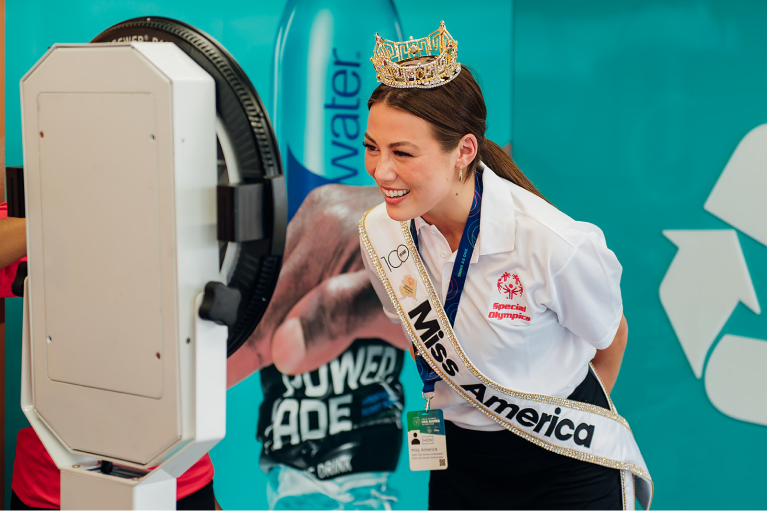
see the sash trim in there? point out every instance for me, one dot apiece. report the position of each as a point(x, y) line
point(447, 328)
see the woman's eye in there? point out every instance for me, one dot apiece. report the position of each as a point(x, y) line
point(368, 147)
point(400, 153)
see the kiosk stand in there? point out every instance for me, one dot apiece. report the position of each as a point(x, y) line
point(133, 266)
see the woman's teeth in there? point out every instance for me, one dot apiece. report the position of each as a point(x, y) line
point(395, 193)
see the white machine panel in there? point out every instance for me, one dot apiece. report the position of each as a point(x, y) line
point(111, 182)
point(120, 159)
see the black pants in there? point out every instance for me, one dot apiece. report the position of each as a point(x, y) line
point(500, 470)
point(201, 499)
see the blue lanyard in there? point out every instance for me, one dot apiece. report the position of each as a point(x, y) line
point(457, 278)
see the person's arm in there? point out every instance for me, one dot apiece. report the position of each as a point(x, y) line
point(13, 241)
point(607, 362)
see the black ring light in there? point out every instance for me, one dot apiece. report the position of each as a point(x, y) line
point(247, 155)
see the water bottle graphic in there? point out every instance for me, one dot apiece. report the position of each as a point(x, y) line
point(321, 79)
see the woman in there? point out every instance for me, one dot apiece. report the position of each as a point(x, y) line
point(36, 479)
point(532, 298)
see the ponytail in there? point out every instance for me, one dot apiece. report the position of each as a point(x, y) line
point(496, 158)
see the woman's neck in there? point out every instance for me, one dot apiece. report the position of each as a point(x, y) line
point(450, 215)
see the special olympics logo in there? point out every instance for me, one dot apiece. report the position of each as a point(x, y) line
point(510, 289)
point(416, 421)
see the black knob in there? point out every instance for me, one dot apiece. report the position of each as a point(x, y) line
point(220, 303)
point(106, 467)
point(17, 286)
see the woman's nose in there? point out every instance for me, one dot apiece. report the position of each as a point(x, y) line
point(384, 171)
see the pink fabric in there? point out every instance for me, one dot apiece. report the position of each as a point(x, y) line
point(37, 481)
point(36, 478)
point(8, 273)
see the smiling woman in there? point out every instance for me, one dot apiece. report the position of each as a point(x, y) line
point(408, 164)
point(469, 220)
point(430, 141)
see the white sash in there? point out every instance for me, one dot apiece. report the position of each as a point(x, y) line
point(578, 430)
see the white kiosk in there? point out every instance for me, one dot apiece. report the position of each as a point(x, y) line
point(121, 373)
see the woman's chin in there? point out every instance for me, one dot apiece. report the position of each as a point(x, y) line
point(399, 213)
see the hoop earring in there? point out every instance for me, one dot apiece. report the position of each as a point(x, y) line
point(460, 176)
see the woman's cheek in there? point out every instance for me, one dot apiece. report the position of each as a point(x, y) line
point(370, 165)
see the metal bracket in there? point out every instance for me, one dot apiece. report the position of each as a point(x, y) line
point(14, 179)
point(239, 212)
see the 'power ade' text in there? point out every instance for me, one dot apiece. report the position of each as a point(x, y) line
point(563, 429)
point(311, 418)
point(431, 337)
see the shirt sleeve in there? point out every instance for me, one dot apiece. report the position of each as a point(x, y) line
point(586, 294)
point(7, 274)
point(383, 296)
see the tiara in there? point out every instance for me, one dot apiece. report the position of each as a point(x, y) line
point(423, 63)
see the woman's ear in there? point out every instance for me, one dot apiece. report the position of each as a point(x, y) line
point(468, 149)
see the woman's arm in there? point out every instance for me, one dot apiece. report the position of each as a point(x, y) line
point(607, 362)
point(13, 241)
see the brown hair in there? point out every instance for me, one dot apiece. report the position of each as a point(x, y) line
point(454, 110)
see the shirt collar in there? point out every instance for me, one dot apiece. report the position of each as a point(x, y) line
point(497, 226)
point(497, 223)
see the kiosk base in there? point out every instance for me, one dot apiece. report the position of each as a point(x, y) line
point(88, 489)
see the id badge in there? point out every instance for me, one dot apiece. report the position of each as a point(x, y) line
point(426, 440)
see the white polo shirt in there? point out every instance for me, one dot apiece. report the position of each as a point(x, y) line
point(541, 296)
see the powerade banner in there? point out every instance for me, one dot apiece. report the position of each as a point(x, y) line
point(341, 419)
point(344, 419)
point(331, 436)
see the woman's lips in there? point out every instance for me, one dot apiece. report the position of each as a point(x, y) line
point(394, 196)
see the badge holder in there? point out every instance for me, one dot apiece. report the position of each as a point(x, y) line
point(427, 447)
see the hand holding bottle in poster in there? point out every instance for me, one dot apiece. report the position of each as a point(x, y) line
point(323, 299)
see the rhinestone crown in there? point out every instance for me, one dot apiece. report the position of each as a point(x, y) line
point(423, 63)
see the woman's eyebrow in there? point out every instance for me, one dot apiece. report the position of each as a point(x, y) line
point(397, 144)
point(393, 144)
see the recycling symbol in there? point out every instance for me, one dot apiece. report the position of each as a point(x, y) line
point(709, 276)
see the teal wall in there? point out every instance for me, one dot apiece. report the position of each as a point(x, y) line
point(623, 113)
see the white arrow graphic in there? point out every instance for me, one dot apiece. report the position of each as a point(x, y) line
point(738, 197)
point(706, 280)
point(736, 378)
